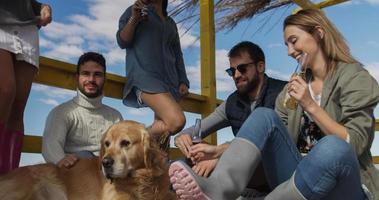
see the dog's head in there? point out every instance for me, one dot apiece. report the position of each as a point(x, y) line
point(127, 147)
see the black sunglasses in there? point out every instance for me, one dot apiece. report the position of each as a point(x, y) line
point(241, 68)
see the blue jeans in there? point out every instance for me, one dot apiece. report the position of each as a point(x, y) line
point(329, 171)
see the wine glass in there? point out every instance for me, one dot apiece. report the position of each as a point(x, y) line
point(196, 133)
point(290, 102)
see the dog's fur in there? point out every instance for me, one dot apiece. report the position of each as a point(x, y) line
point(138, 171)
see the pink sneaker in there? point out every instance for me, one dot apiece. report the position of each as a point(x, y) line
point(184, 182)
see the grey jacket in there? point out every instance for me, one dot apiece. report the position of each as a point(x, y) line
point(349, 96)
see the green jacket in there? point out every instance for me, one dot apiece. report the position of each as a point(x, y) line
point(349, 96)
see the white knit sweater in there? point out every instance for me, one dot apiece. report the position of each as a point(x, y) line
point(76, 125)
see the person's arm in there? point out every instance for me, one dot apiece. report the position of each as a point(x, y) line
point(46, 15)
point(213, 122)
point(204, 168)
point(128, 23)
point(358, 98)
point(204, 151)
point(54, 136)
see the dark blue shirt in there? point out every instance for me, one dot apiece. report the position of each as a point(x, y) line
point(154, 60)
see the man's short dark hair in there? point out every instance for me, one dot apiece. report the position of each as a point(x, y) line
point(91, 56)
point(254, 51)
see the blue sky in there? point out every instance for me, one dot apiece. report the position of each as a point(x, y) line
point(90, 25)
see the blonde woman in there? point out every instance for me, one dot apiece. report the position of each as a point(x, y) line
point(319, 150)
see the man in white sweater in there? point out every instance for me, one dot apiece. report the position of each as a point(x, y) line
point(74, 129)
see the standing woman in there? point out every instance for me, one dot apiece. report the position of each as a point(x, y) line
point(19, 61)
point(319, 150)
point(154, 65)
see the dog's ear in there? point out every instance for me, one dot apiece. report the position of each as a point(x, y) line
point(154, 158)
point(102, 149)
point(146, 143)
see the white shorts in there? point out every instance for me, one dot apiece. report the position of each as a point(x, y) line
point(22, 41)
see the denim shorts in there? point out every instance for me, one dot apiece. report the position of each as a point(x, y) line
point(138, 93)
point(22, 41)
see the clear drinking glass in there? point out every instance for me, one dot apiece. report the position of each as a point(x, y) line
point(290, 102)
point(196, 134)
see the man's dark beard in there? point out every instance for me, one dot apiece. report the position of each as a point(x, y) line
point(91, 95)
point(251, 86)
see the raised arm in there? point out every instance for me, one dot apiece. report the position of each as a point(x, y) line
point(213, 122)
point(128, 23)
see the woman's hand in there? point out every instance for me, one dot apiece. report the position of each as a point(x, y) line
point(46, 16)
point(205, 167)
point(183, 90)
point(298, 89)
point(203, 151)
point(139, 12)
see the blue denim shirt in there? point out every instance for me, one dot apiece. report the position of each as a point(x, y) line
point(154, 60)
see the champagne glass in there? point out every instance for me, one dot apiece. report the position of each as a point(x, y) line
point(196, 133)
point(290, 102)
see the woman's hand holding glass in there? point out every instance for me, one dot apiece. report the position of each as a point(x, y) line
point(139, 12)
point(298, 89)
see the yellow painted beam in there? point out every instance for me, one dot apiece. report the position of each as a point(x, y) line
point(328, 3)
point(376, 160)
point(62, 74)
point(207, 55)
point(308, 4)
point(304, 3)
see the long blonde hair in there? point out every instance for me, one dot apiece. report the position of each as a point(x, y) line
point(333, 43)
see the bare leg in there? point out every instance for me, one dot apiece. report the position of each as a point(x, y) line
point(25, 74)
point(7, 85)
point(7, 95)
point(169, 116)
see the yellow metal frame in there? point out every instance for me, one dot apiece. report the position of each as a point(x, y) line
point(308, 4)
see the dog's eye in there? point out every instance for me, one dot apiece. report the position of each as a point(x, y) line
point(107, 143)
point(124, 143)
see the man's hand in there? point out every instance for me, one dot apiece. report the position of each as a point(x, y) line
point(46, 16)
point(183, 142)
point(68, 161)
point(205, 167)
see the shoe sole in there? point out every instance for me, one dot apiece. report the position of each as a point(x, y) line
point(184, 183)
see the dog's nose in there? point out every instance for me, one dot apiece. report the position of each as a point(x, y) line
point(107, 162)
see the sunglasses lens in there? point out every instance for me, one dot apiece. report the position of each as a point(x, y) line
point(231, 71)
point(242, 68)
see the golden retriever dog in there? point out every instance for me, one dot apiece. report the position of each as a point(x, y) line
point(130, 167)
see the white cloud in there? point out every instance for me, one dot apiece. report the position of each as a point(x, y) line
point(53, 92)
point(65, 52)
point(186, 39)
point(115, 56)
point(140, 112)
point(223, 82)
point(373, 68)
point(52, 102)
point(373, 2)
